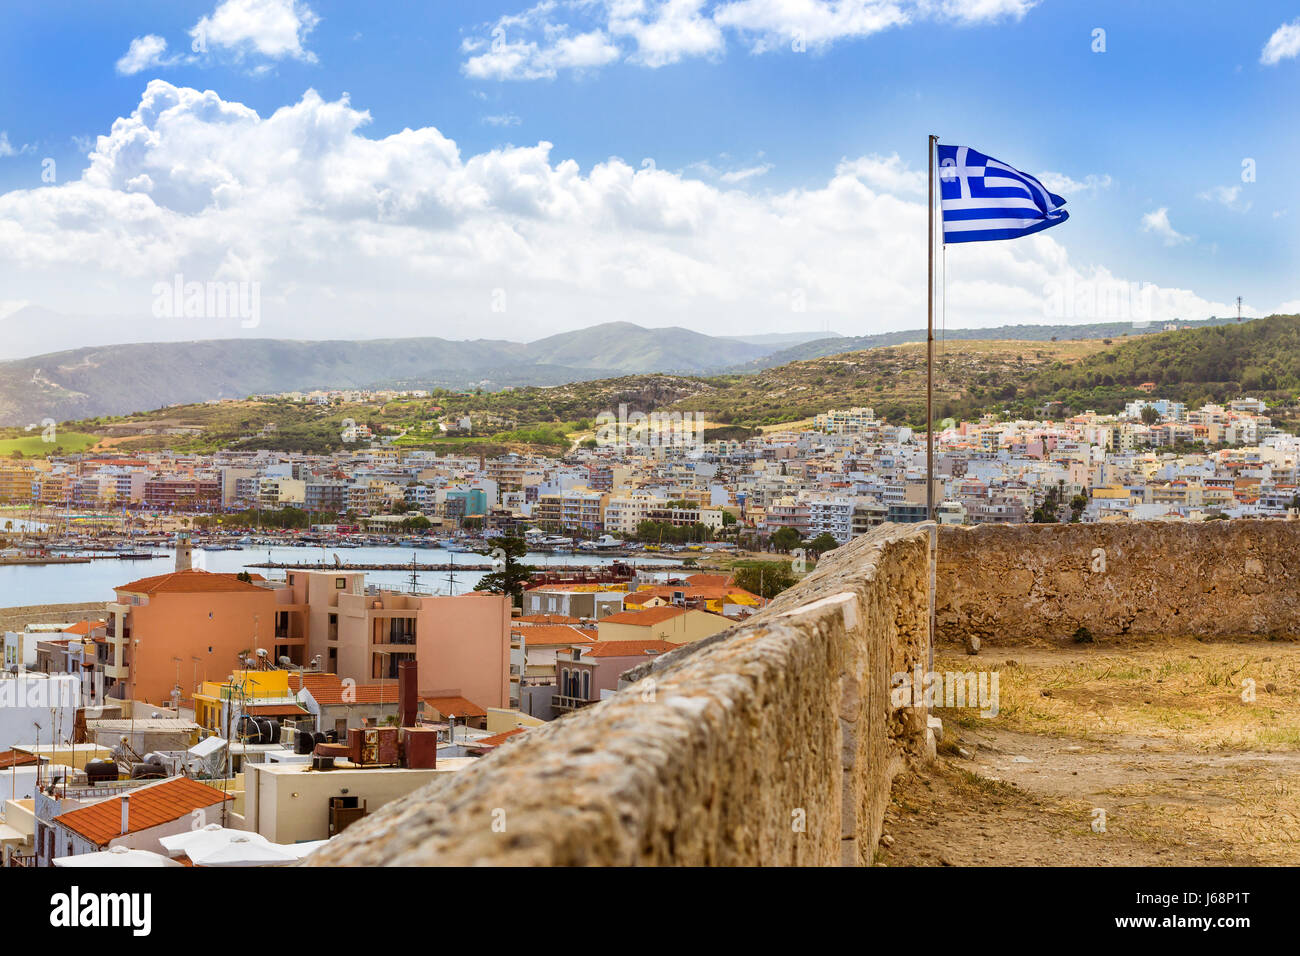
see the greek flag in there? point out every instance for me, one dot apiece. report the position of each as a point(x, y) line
point(984, 199)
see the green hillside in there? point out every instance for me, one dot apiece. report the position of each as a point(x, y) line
point(1260, 358)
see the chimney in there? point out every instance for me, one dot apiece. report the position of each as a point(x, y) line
point(126, 813)
point(407, 693)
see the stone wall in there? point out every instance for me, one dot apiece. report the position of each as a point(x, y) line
point(17, 618)
point(1008, 584)
point(773, 744)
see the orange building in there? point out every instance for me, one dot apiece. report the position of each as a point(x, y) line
point(169, 633)
point(461, 643)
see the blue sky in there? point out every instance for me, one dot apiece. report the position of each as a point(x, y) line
point(1151, 134)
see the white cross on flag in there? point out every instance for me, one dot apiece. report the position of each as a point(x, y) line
point(984, 199)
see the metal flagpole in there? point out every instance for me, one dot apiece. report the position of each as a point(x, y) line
point(929, 398)
point(929, 352)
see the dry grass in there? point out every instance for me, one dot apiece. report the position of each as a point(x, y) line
point(1157, 735)
point(1192, 695)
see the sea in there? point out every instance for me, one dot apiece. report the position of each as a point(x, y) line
point(32, 584)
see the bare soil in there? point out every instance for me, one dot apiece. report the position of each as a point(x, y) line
point(1143, 754)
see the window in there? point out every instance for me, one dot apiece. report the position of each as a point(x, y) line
point(340, 583)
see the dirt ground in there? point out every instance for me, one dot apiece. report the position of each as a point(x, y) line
point(1150, 753)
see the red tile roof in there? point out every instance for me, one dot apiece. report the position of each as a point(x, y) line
point(12, 758)
point(628, 648)
point(150, 806)
point(190, 582)
point(537, 634)
point(707, 593)
point(456, 706)
point(709, 580)
point(647, 618)
point(84, 627)
point(327, 690)
point(276, 710)
point(496, 740)
point(546, 619)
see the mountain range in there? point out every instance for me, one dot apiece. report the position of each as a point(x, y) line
point(117, 379)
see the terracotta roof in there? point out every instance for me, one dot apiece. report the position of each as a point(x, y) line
point(647, 618)
point(12, 758)
point(327, 690)
point(496, 740)
point(546, 619)
point(707, 592)
point(536, 634)
point(84, 627)
point(628, 648)
point(708, 580)
point(150, 806)
point(190, 582)
point(457, 706)
point(276, 710)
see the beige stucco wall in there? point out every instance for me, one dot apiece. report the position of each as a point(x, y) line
point(288, 803)
point(682, 629)
point(771, 743)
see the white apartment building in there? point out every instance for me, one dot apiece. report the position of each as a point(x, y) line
point(624, 512)
point(849, 421)
point(831, 515)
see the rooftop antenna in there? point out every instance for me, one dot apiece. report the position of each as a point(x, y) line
point(1238, 308)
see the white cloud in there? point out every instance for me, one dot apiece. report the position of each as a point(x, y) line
point(9, 149)
point(885, 173)
point(502, 119)
point(734, 176)
point(1063, 185)
point(674, 31)
point(271, 28)
point(1284, 44)
point(1157, 222)
point(144, 52)
point(351, 236)
point(533, 44)
point(1229, 196)
point(505, 60)
point(779, 24)
point(982, 11)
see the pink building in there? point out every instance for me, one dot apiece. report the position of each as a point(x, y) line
point(612, 658)
point(461, 643)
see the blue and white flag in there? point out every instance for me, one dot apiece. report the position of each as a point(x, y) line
point(984, 199)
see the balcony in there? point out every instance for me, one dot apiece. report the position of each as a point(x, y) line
point(566, 704)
